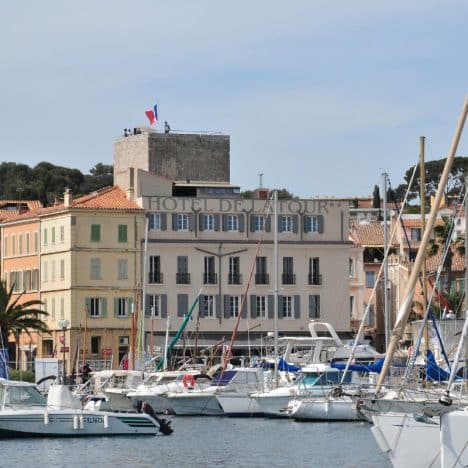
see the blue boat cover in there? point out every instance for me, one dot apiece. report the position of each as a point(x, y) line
point(374, 367)
point(284, 366)
point(433, 371)
point(4, 363)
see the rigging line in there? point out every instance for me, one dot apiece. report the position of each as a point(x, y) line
point(374, 289)
point(228, 355)
point(460, 204)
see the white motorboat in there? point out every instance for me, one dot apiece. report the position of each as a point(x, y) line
point(24, 412)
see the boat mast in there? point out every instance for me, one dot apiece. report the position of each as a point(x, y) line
point(405, 307)
point(385, 272)
point(275, 272)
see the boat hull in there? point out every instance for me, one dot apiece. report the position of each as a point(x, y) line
point(239, 405)
point(338, 409)
point(184, 404)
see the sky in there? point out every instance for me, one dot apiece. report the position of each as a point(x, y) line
point(319, 96)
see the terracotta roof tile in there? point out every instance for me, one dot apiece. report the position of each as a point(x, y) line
point(367, 235)
point(458, 262)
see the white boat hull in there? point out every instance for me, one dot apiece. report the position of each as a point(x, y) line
point(74, 423)
point(454, 439)
point(187, 404)
point(323, 409)
point(239, 405)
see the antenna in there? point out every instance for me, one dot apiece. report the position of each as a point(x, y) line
point(260, 179)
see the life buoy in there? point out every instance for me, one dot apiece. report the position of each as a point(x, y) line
point(188, 380)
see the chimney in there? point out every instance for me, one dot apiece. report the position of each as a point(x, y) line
point(67, 197)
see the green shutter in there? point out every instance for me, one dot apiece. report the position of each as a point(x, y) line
point(88, 305)
point(122, 233)
point(116, 306)
point(95, 232)
point(103, 307)
point(129, 305)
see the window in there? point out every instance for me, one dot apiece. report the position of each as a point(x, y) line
point(155, 275)
point(351, 268)
point(261, 275)
point(286, 224)
point(95, 306)
point(182, 275)
point(62, 269)
point(208, 306)
point(95, 268)
point(27, 242)
point(314, 306)
point(208, 222)
point(288, 271)
point(311, 224)
point(234, 276)
point(259, 223)
point(62, 234)
point(154, 305)
point(261, 306)
point(234, 306)
point(122, 269)
point(53, 308)
point(13, 245)
point(122, 233)
point(5, 246)
point(27, 280)
point(47, 347)
point(62, 307)
point(36, 236)
point(155, 222)
point(351, 306)
point(45, 239)
point(95, 232)
point(415, 234)
point(287, 307)
point(45, 272)
point(52, 235)
point(122, 306)
point(370, 279)
point(95, 344)
point(209, 275)
point(370, 319)
point(182, 222)
point(232, 223)
point(315, 278)
point(35, 280)
point(20, 244)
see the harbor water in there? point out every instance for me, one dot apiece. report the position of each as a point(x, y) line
point(211, 441)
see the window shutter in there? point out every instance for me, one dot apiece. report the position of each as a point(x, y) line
point(225, 222)
point(314, 306)
point(271, 306)
point(216, 222)
point(201, 301)
point(163, 221)
point(218, 306)
point(174, 221)
point(103, 307)
point(244, 308)
point(295, 223)
point(320, 223)
point(147, 306)
point(191, 221)
point(305, 222)
point(163, 305)
point(297, 306)
point(88, 305)
point(280, 306)
point(200, 221)
point(253, 306)
point(241, 223)
point(116, 307)
point(182, 303)
point(129, 305)
point(252, 223)
point(268, 224)
point(280, 224)
point(226, 306)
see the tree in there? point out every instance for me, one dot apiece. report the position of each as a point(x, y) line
point(16, 317)
point(376, 197)
point(437, 245)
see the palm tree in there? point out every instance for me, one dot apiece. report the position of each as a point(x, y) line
point(16, 318)
point(437, 245)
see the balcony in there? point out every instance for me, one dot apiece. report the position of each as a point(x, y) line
point(289, 278)
point(183, 278)
point(155, 277)
point(315, 280)
point(210, 278)
point(234, 278)
point(262, 278)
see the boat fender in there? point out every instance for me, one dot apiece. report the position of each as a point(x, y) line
point(188, 381)
point(46, 418)
point(75, 422)
point(106, 421)
point(81, 419)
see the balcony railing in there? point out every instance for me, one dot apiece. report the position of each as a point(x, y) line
point(155, 277)
point(315, 280)
point(183, 278)
point(234, 278)
point(210, 278)
point(289, 278)
point(262, 278)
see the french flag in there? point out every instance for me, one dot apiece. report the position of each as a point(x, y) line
point(152, 114)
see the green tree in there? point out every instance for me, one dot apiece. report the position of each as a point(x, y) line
point(437, 245)
point(16, 317)
point(376, 197)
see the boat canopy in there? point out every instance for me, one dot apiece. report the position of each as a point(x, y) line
point(374, 367)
